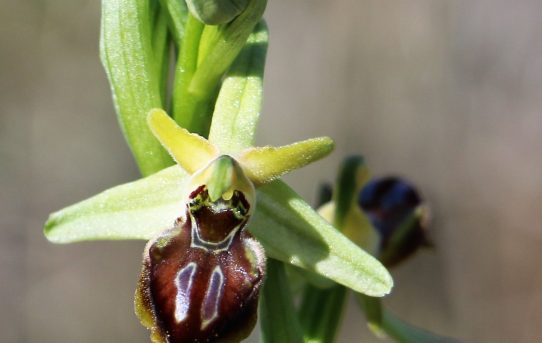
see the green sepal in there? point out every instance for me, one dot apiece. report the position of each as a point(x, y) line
point(239, 102)
point(278, 319)
point(136, 210)
point(131, 66)
point(291, 231)
point(311, 278)
point(286, 226)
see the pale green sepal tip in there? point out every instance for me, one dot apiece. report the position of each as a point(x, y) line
point(136, 210)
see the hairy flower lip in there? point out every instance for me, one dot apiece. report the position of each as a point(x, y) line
point(201, 278)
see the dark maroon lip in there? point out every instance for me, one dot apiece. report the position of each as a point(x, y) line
point(201, 278)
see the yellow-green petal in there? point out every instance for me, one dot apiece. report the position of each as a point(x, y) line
point(265, 164)
point(190, 150)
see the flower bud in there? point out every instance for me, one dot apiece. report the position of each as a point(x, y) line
point(200, 280)
point(216, 12)
point(395, 209)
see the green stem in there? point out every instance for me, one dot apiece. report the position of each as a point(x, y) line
point(206, 54)
point(372, 307)
point(221, 45)
point(191, 111)
point(321, 312)
point(177, 15)
point(321, 309)
point(278, 319)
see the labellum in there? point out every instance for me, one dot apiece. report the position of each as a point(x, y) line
point(200, 279)
point(396, 210)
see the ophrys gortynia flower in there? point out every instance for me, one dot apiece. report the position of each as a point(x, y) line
point(201, 278)
point(163, 209)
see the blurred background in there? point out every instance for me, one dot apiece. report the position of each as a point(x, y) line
point(444, 93)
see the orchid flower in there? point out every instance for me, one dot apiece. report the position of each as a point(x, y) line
point(212, 219)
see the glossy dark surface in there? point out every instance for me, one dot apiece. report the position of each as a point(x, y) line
point(202, 278)
point(390, 203)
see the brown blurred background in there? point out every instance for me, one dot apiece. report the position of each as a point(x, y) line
point(445, 93)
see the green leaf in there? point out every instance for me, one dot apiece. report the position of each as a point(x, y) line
point(239, 102)
point(292, 232)
point(321, 312)
point(278, 320)
point(136, 210)
point(264, 164)
point(403, 332)
point(129, 61)
point(160, 46)
point(382, 322)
